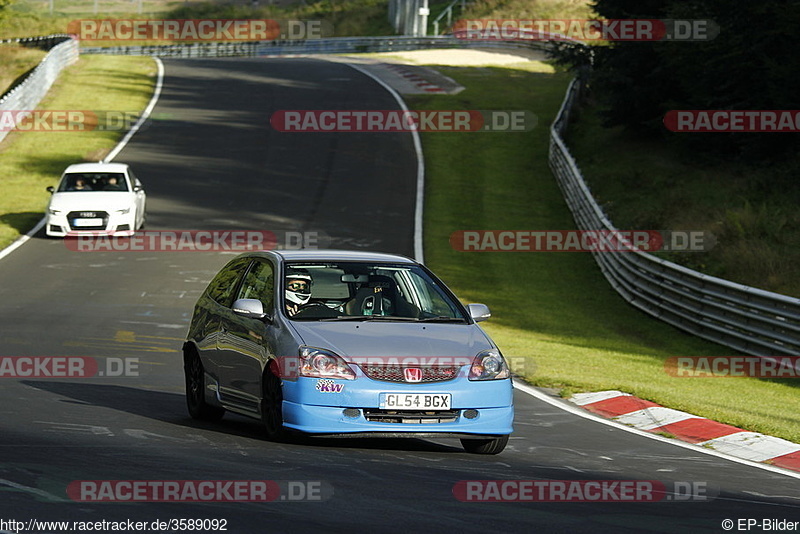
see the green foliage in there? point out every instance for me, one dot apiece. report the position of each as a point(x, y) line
point(4, 4)
point(17, 62)
point(575, 56)
point(761, 222)
point(750, 65)
point(346, 18)
point(539, 9)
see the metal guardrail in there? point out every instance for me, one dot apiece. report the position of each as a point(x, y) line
point(27, 95)
point(744, 318)
point(335, 45)
point(45, 42)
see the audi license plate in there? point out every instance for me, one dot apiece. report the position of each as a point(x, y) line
point(415, 401)
point(87, 222)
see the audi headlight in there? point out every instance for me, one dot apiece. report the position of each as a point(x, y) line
point(125, 211)
point(489, 365)
point(51, 211)
point(319, 363)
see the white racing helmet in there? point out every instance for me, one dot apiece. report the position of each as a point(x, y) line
point(297, 295)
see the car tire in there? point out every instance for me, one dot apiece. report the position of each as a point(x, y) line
point(485, 446)
point(272, 407)
point(195, 396)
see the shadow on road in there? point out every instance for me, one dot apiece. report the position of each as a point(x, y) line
point(170, 408)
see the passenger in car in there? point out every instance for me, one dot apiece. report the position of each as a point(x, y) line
point(80, 185)
point(113, 184)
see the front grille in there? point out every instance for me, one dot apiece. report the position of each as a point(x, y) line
point(102, 215)
point(394, 373)
point(410, 417)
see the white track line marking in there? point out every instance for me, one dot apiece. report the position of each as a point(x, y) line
point(580, 412)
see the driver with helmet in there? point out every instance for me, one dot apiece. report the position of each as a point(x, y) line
point(298, 291)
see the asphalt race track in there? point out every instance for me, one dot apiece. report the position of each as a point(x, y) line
point(210, 161)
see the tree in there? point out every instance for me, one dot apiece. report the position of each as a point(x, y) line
point(750, 65)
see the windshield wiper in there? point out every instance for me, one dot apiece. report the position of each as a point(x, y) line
point(441, 319)
point(368, 318)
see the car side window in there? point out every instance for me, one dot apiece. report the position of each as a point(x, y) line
point(223, 286)
point(259, 283)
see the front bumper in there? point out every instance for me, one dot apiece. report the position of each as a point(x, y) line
point(114, 224)
point(477, 408)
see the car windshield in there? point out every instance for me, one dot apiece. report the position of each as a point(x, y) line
point(354, 291)
point(93, 181)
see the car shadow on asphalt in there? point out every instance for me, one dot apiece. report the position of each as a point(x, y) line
point(170, 408)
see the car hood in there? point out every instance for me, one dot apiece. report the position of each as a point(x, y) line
point(91, 201)
point(367, 339)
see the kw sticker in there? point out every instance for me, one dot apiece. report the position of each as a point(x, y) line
point(325, 385)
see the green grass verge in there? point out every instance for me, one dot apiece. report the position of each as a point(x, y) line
point(555, 316)
point(31, 161)
point(16, 62)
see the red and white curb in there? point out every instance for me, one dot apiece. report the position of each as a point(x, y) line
point(651, 417)
point(416, 79)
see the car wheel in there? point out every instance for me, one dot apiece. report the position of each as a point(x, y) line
point(195, 396)
point(272, 407)
point(485, 446)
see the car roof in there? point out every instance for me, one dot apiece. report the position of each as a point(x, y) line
point(340, 255)
point(97, 167)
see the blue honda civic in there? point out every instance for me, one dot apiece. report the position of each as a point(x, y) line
point(346, 344)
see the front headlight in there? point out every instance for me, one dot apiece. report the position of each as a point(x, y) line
point(51, 211)
point(124, 212)
point(319, 363)
point(489, 365)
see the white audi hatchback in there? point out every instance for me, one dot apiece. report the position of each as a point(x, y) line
point(96, 198)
